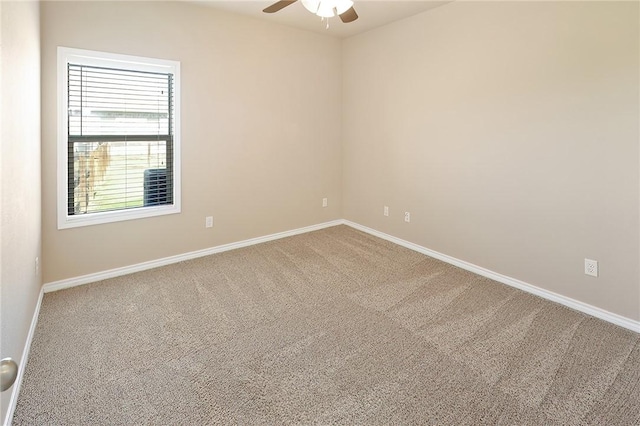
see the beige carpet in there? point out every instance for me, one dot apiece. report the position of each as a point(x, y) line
point(330, 327)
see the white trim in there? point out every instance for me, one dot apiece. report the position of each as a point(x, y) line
point(529, 288)
point(68, 55)
point(15, 389)
point(99, 276)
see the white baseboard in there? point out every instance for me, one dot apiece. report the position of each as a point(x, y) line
point(15, 389)
point(112, 273)
point(529, 288)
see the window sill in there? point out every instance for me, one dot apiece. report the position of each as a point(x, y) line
point(66, 222)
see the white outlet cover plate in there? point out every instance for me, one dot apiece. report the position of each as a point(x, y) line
point(591, 267)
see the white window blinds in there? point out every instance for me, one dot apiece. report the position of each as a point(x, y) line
point(120, 139)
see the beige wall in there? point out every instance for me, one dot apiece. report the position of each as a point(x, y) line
point(20, 176)
point(510, 131)
point(261, 111)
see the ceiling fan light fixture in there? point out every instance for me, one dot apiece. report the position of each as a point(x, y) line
point(327, 8)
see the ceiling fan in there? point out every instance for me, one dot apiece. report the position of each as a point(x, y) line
point(323, 8)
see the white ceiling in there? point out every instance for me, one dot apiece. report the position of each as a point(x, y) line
point(372, 14)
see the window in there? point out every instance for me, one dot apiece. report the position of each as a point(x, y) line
point(119, 139)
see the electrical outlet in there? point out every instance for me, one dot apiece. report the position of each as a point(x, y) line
point(325, 202)
point(208, 222)
point(386, 211)
point(407, 217)
point(591, 267)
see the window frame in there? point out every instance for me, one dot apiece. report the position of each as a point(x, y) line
point(68, 55)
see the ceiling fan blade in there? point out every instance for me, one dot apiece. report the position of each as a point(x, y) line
point(278, 5)
point(349, 16)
